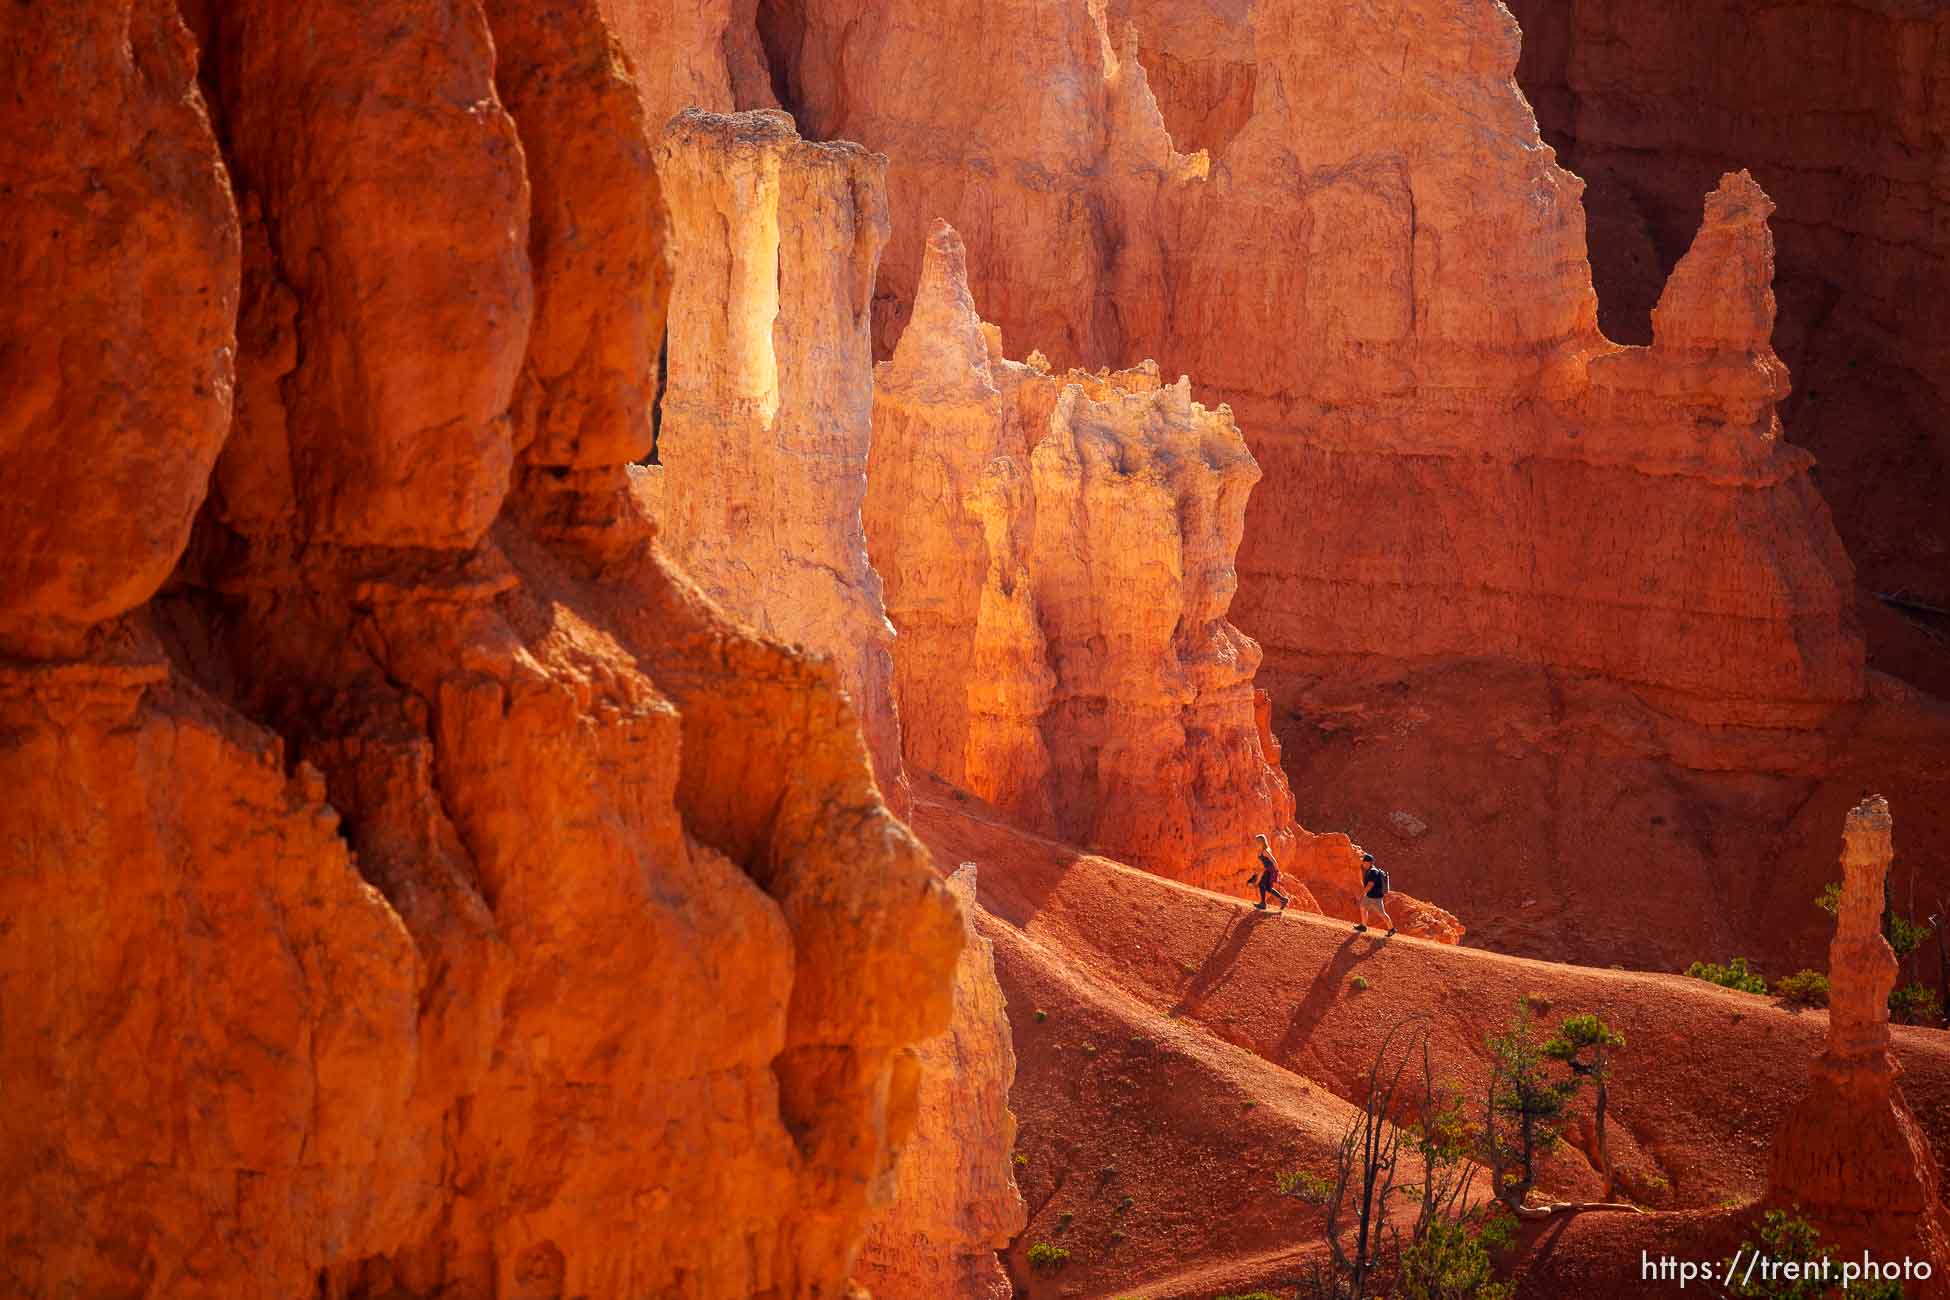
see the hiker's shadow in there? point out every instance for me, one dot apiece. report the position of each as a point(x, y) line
point(1330, 983)
point(1213, 970)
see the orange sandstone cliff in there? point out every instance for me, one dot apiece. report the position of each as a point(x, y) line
point(1532, 605)
point(428, 890)
point(1838, 109)
point(768, 413)
point(955, 1201)
point(763, 448)
point(1058, 557)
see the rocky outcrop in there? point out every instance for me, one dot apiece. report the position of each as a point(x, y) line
point(1070, 537)
point(1384, 276)
point(1838, 112)
point(429, 891)
point(1198, 60)
point(768, 412)
point(1387, 283)
point(955, 1201)
point(1851, 1150)
point(114, 412)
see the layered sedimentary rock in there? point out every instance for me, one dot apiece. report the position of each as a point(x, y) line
point(768, 412)
point(1384, 276)
point(698, 54)
point(955, 1201)
point(1058, 555)
point(1837, 109)
point(1387, 282)
point(1851, 1150)
point(429, 892)
point(1198, 60)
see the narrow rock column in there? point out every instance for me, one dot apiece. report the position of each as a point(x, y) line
point(768, 414)
point(1058, 551)
point(955, 1200)
point(1851, 1152)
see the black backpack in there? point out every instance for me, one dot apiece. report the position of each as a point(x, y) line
point(1377, 881)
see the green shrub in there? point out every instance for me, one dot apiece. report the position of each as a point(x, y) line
point(1021, 1159)
point(1809, 988)
point(1734, 975)
point(1125, 1204)
point(1302, 1185)
point(1786, 1237)
point(1451, 1260)
point(1041, 1016)
point(1047, 1257)
point(1913, 1004)
point(1359, 983)
point(1538, 1002)
point(1064, 1220)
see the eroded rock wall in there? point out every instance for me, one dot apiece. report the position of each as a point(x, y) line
point(1386, 280)
point(429, 891)
point(1837, 108)
point(768, 413)
point(955, 1201)
point(1070, 539)
point(1383, 273)
point(114, 412)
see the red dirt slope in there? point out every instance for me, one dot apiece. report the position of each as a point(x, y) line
point(1168, 1009)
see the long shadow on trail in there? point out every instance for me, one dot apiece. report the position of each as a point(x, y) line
point(1327, 985)
point(1220, 961)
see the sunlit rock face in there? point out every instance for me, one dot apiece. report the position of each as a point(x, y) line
point(955, 1202)
point(1070, 537)
point(769, 409)
point(1851, 1151)
point(1485, 536)
point(427, 891)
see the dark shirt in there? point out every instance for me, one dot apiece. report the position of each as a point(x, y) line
point(1374, 878)
point(1271, 871)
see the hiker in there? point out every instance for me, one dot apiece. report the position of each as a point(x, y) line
point(1267, 876)
point(1374, 893)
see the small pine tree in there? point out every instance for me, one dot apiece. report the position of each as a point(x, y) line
point(1528, 1101)
point(1584, 1044)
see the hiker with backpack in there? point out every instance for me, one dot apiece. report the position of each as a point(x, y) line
point(1267, 876)
point(1374, 894)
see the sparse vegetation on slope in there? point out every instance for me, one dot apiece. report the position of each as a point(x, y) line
point(1734, 975)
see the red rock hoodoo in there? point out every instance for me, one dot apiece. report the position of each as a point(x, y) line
point(368, 882)
point(1058, 558)
point(1851, 1152)
point(1837, 107)
point(769, 409)
point(455, 732)
point(1487, 538)
point(1057, 552)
